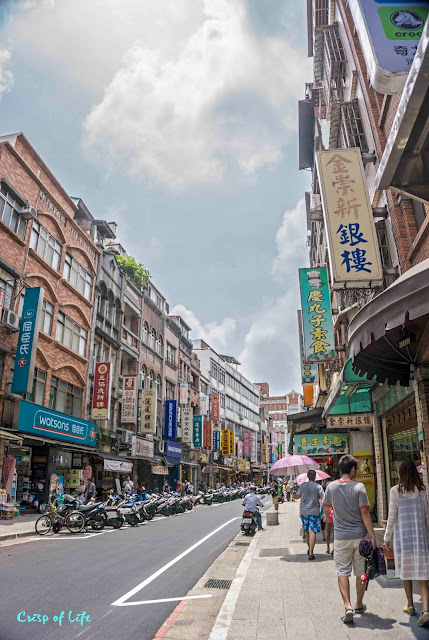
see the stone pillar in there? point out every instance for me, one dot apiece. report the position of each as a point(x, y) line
point(379, 454)
point(421, 393)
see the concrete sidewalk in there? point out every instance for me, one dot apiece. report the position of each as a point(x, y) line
point(278, 593)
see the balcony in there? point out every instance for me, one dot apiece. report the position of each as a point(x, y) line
point(130, 340)
point(171, 362)
point(106, 329)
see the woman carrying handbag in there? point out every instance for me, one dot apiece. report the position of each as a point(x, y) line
point(409, 518)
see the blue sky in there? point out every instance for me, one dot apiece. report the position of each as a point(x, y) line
point(178, 120)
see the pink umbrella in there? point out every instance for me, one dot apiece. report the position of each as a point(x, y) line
point(421, 468)
point(320, 475)
point(293, 465)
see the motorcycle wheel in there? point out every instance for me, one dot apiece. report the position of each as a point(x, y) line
point(247, 532)
point(150, 515)
point(98, 525)
point(117, 524)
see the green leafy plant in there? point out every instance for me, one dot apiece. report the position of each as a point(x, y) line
point(136, 272)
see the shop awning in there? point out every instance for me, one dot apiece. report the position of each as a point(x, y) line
point(350, 394)
point(10, 435)
point(389, 337)
point(303, 422)
point(190, 464)
point(59, 444)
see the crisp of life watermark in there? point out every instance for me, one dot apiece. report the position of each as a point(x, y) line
point(61, 618)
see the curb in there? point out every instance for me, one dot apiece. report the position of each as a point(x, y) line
point(15, 536)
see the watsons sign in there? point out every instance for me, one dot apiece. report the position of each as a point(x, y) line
point(44, 422)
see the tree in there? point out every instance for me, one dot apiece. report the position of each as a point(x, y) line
point(136, 272)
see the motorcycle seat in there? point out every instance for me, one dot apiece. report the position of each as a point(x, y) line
point(88, 507)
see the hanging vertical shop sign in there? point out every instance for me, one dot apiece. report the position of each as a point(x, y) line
point(309, 372)
point(352, 240)
point(129, 400)
point(253, 447)
point(215, 406)
point(170, 424)
point(207, 435)
point(102, 391)
point(149, 410)
point(246, 442)
point(225, 442)
point(239, 448)
point(186, 423)
point(232, 443)
point(317, 324)
point(264, 453)
point(27, 341)
point(183, 397)
point(215, 440)
point(389, 36)
point(198, 431)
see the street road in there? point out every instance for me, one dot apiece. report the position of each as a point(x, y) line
point(111, 575)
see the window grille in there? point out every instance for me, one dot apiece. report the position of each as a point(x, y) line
point(334, 64)
point(351, 130)
point(320, 13)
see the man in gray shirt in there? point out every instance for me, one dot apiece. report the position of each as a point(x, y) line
point(352, 522)
point(310, 495)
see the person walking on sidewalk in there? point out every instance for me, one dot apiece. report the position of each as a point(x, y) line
point(251, 502)
point(409, 517)
point(310, 493)
point(352, 520)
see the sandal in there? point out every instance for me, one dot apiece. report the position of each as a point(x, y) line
point(328, 553)
point(361, 609)
point(410, 610)
point(348, 617)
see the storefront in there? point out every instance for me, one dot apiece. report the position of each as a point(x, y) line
point(173, 454)
point(110, 472)
point(324, 448)
point(142, 452)
point(159, 476)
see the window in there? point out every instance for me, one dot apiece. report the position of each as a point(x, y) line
point(222, 400)
point(169, 390)
point(158, 386)
point(71, 334)
point(65, 397)
point(9, 213)
point(158, 347)
point(222, 376)
point(47, 317)
point(171, 354)
point(214, 370)
point(143, 372)
point(150, 380)
point(79, 278)
point(352, 133)
point(419, 212)
point(204, 388)
point(145, 332)
point(7, 283)
point(45, 245)
point(37, 394)
point(152, 338)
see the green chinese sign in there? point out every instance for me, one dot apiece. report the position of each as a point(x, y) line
point(393, 397)
point(318, 331)
point(319, 444)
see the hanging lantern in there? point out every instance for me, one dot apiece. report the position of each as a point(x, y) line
point(330, 461)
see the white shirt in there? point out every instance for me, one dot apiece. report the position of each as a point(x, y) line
point(251, 501)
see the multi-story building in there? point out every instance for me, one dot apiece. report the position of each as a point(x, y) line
point(43, 244)
point(278, 409)
point(379, 106)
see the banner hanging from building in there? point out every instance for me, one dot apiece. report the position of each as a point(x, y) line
point(183, 397)
point(186, 424)
point(225, 442)
point(231, 443)
point(309, 372)
point(102, 390)
point(389, 36)
point(352, 240)
point(253, 441)
point(129, 400)
point(215, 440)
point(27, 341)
point(170, 424)
point(149, 410)
point(239, 448)
point(313, 444)
point(246, 442)
point(317, 323)
point(215, 406)
point(207, 434)
point(197, 431)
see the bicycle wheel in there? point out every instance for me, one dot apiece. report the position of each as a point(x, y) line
point(75, 522)
point(43, 525)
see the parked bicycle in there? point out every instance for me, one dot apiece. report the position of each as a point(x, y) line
point(57, 517)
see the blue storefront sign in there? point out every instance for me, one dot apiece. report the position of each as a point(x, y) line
point(41, 421)
point(216, 440)
point(27, 341)
point(197, 436)
point(173, 449)
point(170, 420)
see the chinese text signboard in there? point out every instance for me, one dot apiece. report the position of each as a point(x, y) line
point(183, 397)
point(186, 423)
point(27, 341)
point(309, 372)
point(246, 442)
point(232, 443)
point(101, 392)
point(316, 315)
point(389, 38)
point(170, 424)
point(215, 440)
point(353, 247)
point(198, 431)
point(393, 397)
point(215, 406)
point(225, 442)
point(207, 435)
point(357, 420)
point(149, 410)
point(253, 441)
point(317, 444)
point(129, 400)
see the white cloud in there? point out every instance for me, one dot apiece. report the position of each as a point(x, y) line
point(270, 349)
point(6, 77)
point(225, 95)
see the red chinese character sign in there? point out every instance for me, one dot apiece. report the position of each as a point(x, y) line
point(207, 434)
point(352, 240)
point(101, 392)
point(318, 331)
point(215, 406)
point(129, 400)
point(353, 420)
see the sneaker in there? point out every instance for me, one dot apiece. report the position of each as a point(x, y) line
point(424, 619)
point(410, 610)
point(261, 529)
point(348, 617)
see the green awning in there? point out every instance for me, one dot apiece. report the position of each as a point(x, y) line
point(351, 393)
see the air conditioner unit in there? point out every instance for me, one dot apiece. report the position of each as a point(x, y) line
point(28, 213)
point(10, 319)
point(161, 446)
point(127, 437)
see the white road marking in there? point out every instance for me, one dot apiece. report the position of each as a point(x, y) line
point(120, 602)
point(106, 614)
point(129, 604)
point(79, 634)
